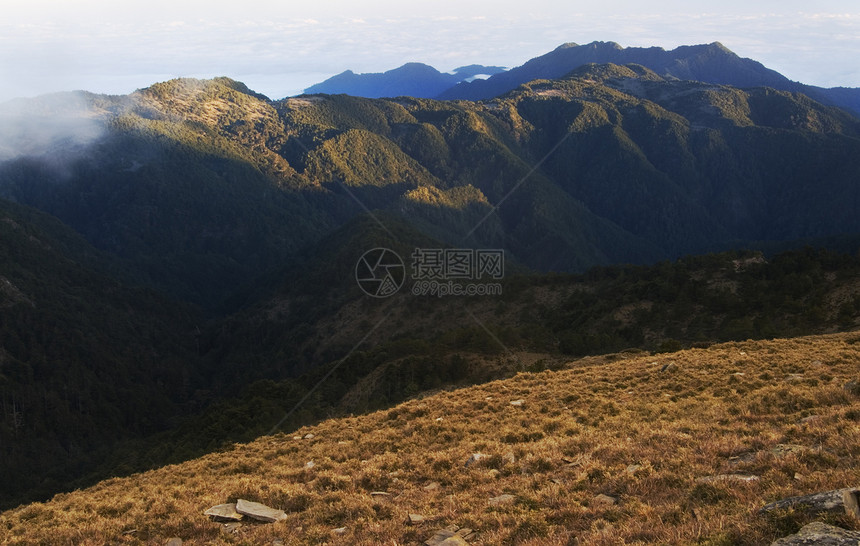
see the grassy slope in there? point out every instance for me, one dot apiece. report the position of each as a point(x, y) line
point(575, 436)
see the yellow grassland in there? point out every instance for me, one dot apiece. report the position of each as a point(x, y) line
point(617, 426)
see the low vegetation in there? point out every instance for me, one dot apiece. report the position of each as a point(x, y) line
point(642, 429)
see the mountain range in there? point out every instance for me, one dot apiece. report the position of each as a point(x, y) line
point(412, 79)
point(710, 63)
point(179, 264)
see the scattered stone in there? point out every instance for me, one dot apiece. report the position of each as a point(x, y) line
point(380, 494)
point(502, 499)
point(259, 512)
point(669, 367)
point(475, 458)
point(340, 530)
point(414, 519)
point(309, 436)
point(309, 465)
point(130, 532)
point(174, 542)
point(570, 462)
point(231, 528)
point(277, 542)
point(493, 473)
point(604, 499)
point(852, 387)
point(782, 450)
point(742, 458)
point(223, 512)
point(557, 481)
point(838, 501)
point(798, 476)
point(820, 534)
point(432, 486)
point(449, 536)
point(810, 419)
point(439, 419)
point(518, 403)
point(740, 478)
point(343, 443)
point(632, 469)
point(297, 437)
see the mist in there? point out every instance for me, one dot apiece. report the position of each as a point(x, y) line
point(48, 127)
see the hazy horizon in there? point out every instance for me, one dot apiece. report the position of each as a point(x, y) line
point(49, 46)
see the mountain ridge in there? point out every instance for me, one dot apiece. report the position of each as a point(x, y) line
point(411, 79)
point(215, 195)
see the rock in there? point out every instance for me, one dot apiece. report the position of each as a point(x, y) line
point(475, 458)
point(277, 542)
point(432, 486)
point(308, 436)
point(632, 469)
point(340, 530)
point(781, 450)
point(414, 519)
point(669, 367)
point(518, 403)
point(493, 473)
point(231, 528)
point(259, 512)
point(604, 499)
point(173, 542)
point(509, 457)
point(450, 536)
point(739, 478)
point(742, 458)
point(309, 465)
point(810, 419)
point(502, 499)
point(838, 501)
point(820, 534)
point(223, 512)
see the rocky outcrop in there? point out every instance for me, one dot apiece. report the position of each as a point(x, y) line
point(838, 501)
point(820, 534)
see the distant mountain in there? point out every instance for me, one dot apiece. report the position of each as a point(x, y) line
point(711, 63)
point(411, 79)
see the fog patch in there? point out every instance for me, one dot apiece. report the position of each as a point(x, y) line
point(51, 127)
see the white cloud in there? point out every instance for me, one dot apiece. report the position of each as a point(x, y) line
point(61, 45)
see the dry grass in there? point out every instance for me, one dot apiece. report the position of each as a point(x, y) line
point(729, 409)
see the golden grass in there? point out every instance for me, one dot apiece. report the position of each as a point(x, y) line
point(615, 426)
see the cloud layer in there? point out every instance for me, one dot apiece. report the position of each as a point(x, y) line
point(280, 50)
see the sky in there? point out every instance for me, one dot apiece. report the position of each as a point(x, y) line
point(281, 47)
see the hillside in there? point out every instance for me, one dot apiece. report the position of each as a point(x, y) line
point(203, 186)
point(85, 361)
point(188, 268)
point(565, 459)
